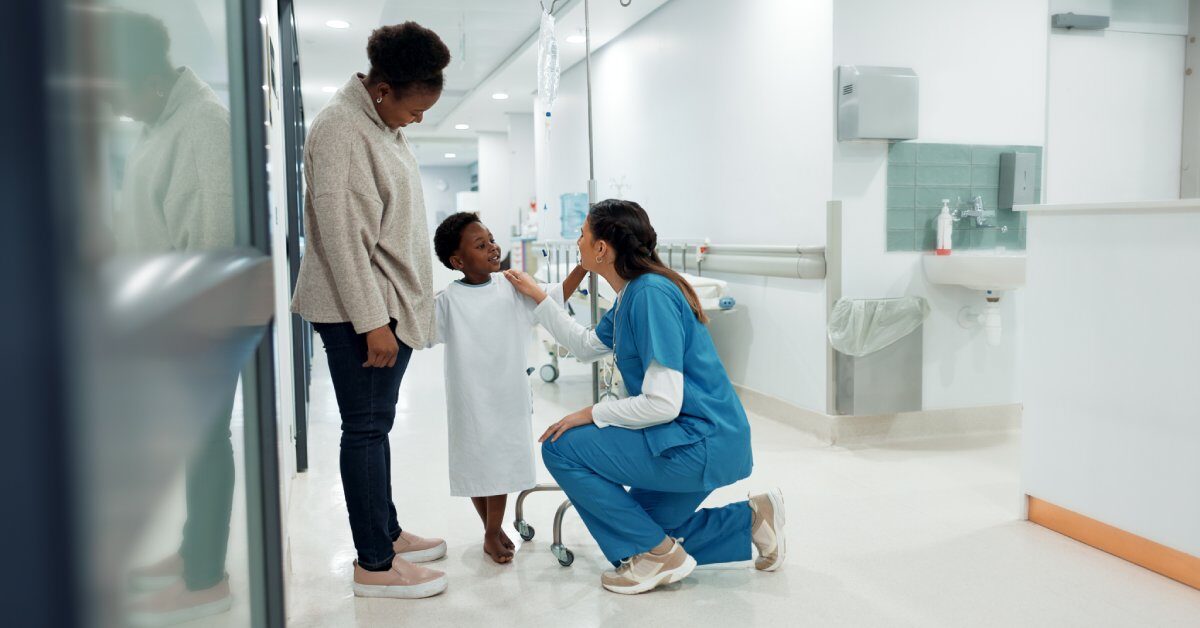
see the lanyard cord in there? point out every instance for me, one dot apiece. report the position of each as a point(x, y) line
point(617, 320)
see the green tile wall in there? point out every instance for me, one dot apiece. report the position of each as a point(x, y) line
point(919, 176)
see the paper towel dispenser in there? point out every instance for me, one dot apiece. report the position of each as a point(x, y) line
point(876, 103)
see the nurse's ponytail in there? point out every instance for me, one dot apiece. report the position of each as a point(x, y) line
point(626, 227)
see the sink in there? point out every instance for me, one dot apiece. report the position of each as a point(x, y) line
point(977, 270)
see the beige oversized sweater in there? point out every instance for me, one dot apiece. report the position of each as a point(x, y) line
point(177, 193)
point(366, 257)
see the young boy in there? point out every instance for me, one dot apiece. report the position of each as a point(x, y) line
point(485, 324)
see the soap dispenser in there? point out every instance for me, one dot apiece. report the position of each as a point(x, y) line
point(945, 229)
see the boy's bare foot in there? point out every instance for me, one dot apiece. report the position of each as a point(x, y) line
point(493, 545)
point(481, 507)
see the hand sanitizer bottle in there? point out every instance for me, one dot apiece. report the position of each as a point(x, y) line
point(945, 229)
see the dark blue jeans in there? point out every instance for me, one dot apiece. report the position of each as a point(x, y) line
point(210, 480)
point(366, 399)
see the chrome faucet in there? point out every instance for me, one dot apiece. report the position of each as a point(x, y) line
point(976, 212)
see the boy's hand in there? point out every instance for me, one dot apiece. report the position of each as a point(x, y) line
point(526, 285)
point(382, 348)
point(571, 283)
point(583, 417)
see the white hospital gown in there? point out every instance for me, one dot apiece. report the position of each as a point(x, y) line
point(489, 404)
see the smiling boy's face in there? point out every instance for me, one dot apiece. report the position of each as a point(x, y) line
point(477, 254)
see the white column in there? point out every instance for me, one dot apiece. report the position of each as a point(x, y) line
point(494, 195)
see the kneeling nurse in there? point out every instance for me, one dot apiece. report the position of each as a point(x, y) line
point(680, 434)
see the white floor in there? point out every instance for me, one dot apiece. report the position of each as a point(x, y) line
point(925, 534)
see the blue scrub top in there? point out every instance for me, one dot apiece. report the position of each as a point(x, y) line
point(654, 322)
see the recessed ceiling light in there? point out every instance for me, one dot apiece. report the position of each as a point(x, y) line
point(462, 127)
point(329, 89)
point(450, 155)
point(339, 24)
point(125, 119)
point(500, 96)
point(577, 38)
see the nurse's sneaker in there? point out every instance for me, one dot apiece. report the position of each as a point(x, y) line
point(647, 571)
point(177, 604)
point(415, 549)
point(404, 580)
point(766, 530)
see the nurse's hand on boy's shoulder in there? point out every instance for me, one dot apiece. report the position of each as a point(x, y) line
point(526, 285)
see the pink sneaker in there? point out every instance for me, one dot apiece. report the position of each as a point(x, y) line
point(415, 549)
point(176, 605)
point(158, 576)
point(404, 580)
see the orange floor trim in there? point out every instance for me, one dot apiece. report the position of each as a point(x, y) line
point(1158, 558)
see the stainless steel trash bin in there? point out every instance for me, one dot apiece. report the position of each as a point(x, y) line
point(878, 355)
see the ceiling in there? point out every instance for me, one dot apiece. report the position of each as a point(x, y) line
point(493, 44)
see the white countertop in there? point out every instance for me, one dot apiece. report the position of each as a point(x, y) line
point(1177, 205)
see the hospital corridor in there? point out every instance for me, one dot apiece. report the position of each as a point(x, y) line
point(610, 313)
point(924, 533)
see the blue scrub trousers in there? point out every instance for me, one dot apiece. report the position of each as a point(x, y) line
point(594, 465)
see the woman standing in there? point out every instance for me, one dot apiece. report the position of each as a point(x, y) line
point(681, 434)
point(366, 285)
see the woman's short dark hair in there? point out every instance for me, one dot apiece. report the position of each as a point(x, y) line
point(137, 45)
point(407, 56)
point(448, 236)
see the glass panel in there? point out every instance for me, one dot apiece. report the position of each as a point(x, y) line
point(175, 310)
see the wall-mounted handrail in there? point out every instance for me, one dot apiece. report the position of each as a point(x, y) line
point(768, 260)
point(690, 256)
point(764, 249)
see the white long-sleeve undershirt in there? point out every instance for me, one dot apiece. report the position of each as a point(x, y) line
point(662, 387)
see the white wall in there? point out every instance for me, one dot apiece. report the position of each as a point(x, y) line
point(1168, 17)
point(982, 81)
point(715, 114)
point(506, 176)
point(1115, 116)
point(285, 405)
point(1189, 184)
point(277, 197)
point(1115, 103)
point(494, 195)
point(457, 179)
point(521, 174)
point(1112, 410)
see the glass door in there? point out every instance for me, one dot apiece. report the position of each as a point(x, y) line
point(293, 114)
point(147, 251)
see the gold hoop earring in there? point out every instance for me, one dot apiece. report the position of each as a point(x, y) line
point(599, 260)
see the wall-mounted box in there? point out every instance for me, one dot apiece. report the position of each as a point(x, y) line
point(877, 103)
point(1018, 180)
point(1081, 22)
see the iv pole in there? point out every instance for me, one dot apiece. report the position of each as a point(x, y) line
point(592, 193)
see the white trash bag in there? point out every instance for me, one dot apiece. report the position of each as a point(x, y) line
point(860, 327)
